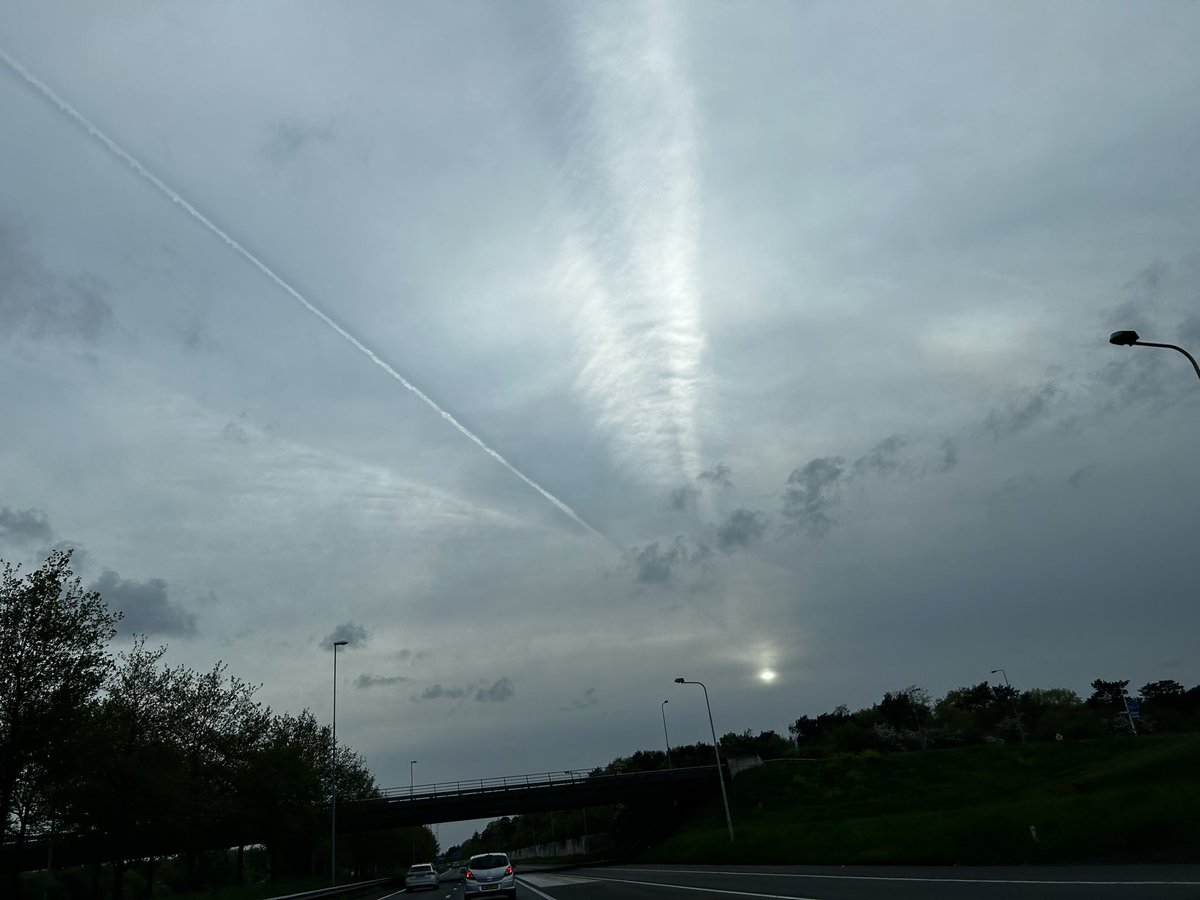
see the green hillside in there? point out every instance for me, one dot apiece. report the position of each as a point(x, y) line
point(1104, 800)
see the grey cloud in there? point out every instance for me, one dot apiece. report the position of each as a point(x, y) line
point(404, 654)
point(588, 700)
point(684, 497)
point(884, 456)
point(352, 633)
point(656, 562)
point(443, 692)
point(25, 525)
point(1022, 411)
point(235, 432)
point(1076, 477)
point(811, 492)
point(1189, 333)
point(949, 456)
point(501, 690)
point(717, 474)
point(35, 302)
point(370, 681)
point(741, 529)
point(146, 606)
point(289, 138)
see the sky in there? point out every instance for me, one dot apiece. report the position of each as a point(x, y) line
point(545, 352)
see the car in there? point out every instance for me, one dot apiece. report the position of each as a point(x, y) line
point(489, 873)
point(421, 876)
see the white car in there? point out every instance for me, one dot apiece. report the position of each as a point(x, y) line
point(489, 873)
point(421, 876)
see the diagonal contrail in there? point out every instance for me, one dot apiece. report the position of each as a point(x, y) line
point(120, 152)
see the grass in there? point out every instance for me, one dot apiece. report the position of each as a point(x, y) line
point(1106, 800)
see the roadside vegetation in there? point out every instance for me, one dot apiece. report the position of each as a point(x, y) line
point(149, 767)
point(910, 779)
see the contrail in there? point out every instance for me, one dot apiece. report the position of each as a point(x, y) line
point(120, 152)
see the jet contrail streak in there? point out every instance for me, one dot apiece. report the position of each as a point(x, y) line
point(120, 152)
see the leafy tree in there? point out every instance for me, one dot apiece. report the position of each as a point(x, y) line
point(53, 658)
point(1108, 694)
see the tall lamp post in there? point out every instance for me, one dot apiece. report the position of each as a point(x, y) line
point(1132, 339)
point(717, 751)
point(663, 709)
point(413, 852)
point(1012, 703)
point(333, 804)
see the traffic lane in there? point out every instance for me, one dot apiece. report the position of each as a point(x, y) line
point(837, 883)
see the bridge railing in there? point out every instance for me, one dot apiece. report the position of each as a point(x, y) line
point(559, 778)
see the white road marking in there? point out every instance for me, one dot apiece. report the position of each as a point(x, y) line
point(545, 880)
point(524, 883)
point(385, 896)
point(905, 878)
point(684, 887)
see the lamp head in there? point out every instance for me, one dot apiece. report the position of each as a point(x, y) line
point(1123, 338)
point(679, 681)
point(340, 643)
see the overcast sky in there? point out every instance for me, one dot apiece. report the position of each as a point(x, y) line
point(747, 336)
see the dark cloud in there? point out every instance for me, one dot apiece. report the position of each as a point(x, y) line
point(24, 525)
point(684, 497)
point(370, 681)
point(717, 474)
point(289, 138)
point(1022, 411)
point(37, 303)
point(884, 456)
point(588, 700)
point(949, 456)
point(146, 606)
point(443, 692)
point(741, 529)
point(350, 632)
point(1076, 477)
point(811, 492)
point(656, 562)
point(501, 690)
point(235, 432)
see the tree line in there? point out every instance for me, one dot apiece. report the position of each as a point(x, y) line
point(905, 720)
point(137, 760)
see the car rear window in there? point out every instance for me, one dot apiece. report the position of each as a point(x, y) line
point(421, 867)
point(489, 861)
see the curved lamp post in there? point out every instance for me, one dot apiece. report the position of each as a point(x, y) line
point(333, 804)
point(1131, 339)
point(413, 852)
point(663, 709)
point(1012, 703)
point(717, 751)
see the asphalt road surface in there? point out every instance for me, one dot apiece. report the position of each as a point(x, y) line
point(853, 883)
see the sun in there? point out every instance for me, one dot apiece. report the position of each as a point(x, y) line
point(767, 675)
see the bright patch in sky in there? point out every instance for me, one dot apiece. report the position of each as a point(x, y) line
point(767, 675)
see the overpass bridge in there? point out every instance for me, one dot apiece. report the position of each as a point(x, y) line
point(477, 798)
point(484, 798)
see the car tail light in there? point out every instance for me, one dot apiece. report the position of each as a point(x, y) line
point(470, 874)
point(508, 871)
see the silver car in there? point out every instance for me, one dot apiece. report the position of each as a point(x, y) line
point(489, 873)
point(421, 876)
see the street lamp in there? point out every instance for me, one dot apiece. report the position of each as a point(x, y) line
point(1012, 703)
point(413, 852)
point(717, 751)
point(1131, 339)
point(663, 709)
point(333, 804)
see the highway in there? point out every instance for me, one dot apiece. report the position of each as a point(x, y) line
point(854, 883)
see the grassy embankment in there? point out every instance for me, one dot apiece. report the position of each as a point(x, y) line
point(1106, 800)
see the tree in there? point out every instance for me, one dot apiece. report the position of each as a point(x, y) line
point(53, 659)
point(1108, 694)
